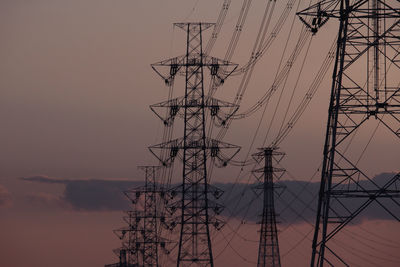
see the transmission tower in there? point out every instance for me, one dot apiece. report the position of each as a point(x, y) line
point(128, 253)
point(195, 149)
point(268, 250)
point(365, 88)
point(141, 239)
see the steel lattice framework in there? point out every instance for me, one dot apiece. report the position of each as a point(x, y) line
point(148, 218)
point(268, 250)
point(128, 253)
point(365, 88)
point(195, 148)
point(141, 237)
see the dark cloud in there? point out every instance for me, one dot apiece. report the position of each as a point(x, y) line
point(5, 197)
point(91, 195)
point(296, 201)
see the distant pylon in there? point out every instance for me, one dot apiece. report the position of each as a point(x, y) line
point(365, 88)
point(128, 254)
point(148, 218)
point(195, 206)
point(268, 250)
point(141, 240)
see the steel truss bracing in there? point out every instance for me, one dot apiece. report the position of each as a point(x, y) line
point(140, 238)
point(121, 253)
point(196, 209)
point(365, 88)
point(127, 253)
point(268, 250)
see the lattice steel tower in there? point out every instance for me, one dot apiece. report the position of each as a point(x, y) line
point(141, 239)
point(148, 217)
point(365, 88)
point(268, 250)
point(195, 148)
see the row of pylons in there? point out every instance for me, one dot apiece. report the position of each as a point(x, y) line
point(368, 32)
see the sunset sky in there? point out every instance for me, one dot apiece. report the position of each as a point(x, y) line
point(75, 90)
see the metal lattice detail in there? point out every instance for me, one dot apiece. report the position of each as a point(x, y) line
point(268, 250)
point(194, 209)
point(368, 38)
point(141, 240)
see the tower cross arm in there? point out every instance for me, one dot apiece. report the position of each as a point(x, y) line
point(167, 69)
point(315, 16)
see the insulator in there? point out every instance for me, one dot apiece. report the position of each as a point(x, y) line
point(214, 151)
point(214, 110)
point(173, 70)
point(314, 21)
point(214, 67)
point(173, 110)
point(214, 107)
point(314, 30)
point(214, 148)
point(174, 151)
point(173, 193)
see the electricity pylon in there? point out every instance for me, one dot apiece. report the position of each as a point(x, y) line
point(195, 148)
point(268, 250)
point(365, 88)
point(149, 217)
point(128, 253)
point(140, 238)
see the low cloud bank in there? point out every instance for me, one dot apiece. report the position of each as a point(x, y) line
point(295, 201)
point(91, 195)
